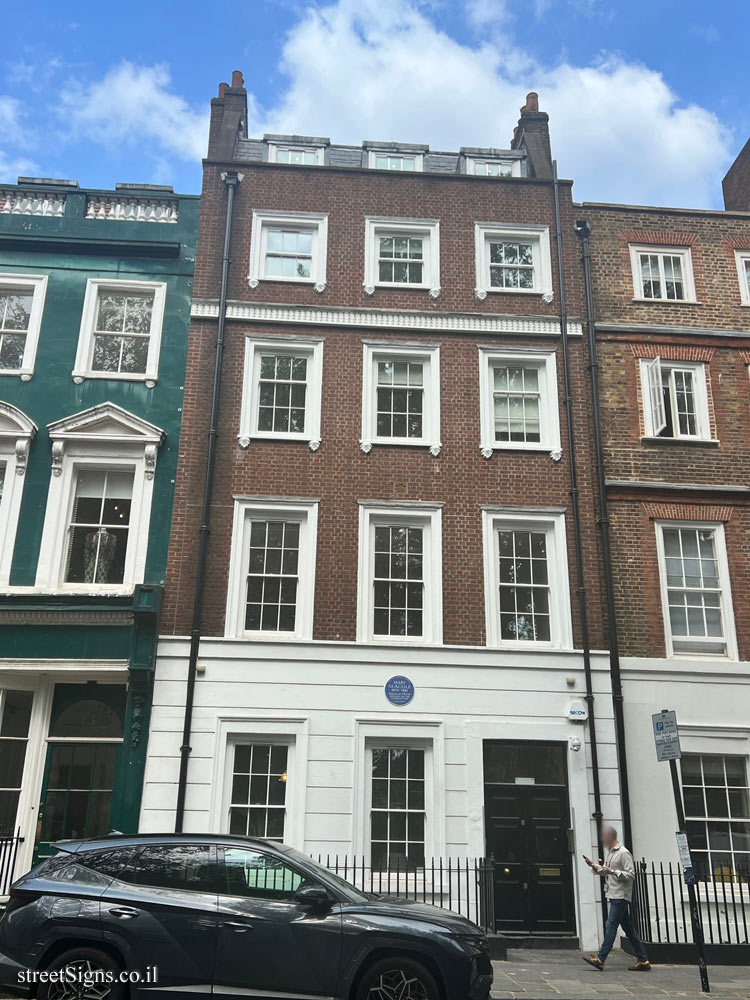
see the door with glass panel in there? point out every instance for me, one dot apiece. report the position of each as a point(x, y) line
point(83, 748)
point(15, 717)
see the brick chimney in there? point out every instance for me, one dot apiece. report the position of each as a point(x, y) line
point(736, 184)
point(228, 118)
point(532, 134)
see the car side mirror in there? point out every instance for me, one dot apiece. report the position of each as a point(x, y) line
point(312, 895)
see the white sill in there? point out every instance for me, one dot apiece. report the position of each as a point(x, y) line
point(116, 376)
point(685, 654)
point(668, 302)
point(399, 640)
point(521, 446)
point(276, 436)
point(73, 590)
point(528, 644)
point(24, 373)
point(286, 281)
point(403, 442)
point(678, 440)
point(271, 636)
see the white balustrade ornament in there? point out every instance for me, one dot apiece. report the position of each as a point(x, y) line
point(31, 203)
point(120, 209)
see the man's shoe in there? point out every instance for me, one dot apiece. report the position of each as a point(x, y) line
point(596, 962)
point(640, 967)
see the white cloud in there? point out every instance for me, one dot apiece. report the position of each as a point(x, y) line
point(135, 105)
point(12, 135)
point(381, 69)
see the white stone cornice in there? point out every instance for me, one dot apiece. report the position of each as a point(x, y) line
point(385, 319)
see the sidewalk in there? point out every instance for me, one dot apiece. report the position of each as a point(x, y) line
point(540, 975)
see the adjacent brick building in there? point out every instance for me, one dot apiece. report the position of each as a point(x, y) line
point(672, 302)
point(391, 590)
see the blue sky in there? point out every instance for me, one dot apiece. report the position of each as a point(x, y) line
point(648, 100)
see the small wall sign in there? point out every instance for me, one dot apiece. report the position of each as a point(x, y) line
point(399, 690)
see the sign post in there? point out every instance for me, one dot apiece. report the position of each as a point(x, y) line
point(667, 739)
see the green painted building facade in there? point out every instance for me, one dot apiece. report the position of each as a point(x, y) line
point(95, 291)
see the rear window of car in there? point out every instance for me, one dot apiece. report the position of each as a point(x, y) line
point(177, 866)
point(109, 862)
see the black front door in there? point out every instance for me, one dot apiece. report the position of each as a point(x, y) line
point(527, 819)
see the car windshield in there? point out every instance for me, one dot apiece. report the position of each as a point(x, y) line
point(326, 875)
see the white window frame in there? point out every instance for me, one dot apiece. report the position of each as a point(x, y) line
point(520, 519)
point(37, 285)
point(262, 727)
point(102, 438)
point(421, 733)
point(254, 347)
point(472, 161)
point(429, 518)
point(314, 222)
point(429, 357)
point(484, 232)
point(727, 608)
point(82, 369)
point(303, 147)
point(742, 259)
point(549, 411)
point(16, 434)
point(654, 413)
point(373, 154)
point(305, 512)
point(688, 279)
point(427, 229)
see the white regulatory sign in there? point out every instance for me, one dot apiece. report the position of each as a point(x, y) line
point(666, 736)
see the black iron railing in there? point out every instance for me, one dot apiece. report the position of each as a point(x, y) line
point(8, 855)
point(463, 885)
point(662, 913)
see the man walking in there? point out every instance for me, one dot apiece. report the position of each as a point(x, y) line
point(619, 871)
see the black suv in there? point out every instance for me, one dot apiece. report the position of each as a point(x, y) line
point(227, 916)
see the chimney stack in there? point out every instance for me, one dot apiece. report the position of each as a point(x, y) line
point(532, 134)
point(228, 118)
point(736, 184)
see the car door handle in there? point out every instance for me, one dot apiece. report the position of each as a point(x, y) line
point(240, 926)
point(124, 911)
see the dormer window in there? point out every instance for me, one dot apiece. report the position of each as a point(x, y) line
point(406, 162)
point(305, 156)
point(492, 168)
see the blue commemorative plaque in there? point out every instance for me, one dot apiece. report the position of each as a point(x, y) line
point(399, 690)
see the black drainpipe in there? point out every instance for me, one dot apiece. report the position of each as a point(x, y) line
point(575, 505)
point(583, 229)
point(231, 180)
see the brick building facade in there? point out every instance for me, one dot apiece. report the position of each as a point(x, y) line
point(391, 583)
point(671, 292)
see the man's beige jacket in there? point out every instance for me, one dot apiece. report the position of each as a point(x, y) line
point(620, 884)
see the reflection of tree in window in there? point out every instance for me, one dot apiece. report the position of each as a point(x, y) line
point(400, 399)
point(15, 314)
point(282, 392)
point(516, 399)
point(400, 259)
point(397, 825)
point(398, 580)
point(524, 585)
point(273, 576)
point(122, 332)
point(288, 253)
point(14, 732)
point(717, 810)
point(258, 798)
point(511, 265)
point(98, 533)
point(183, 866)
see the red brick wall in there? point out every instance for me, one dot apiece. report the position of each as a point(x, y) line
point(713, 237)
point(339, 474)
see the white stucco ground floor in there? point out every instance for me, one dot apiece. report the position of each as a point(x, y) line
point(478, 753)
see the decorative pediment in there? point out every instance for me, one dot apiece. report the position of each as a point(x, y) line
point(105, 422)
point(16, 433)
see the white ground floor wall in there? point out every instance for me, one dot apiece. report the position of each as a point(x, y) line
point(327, 702)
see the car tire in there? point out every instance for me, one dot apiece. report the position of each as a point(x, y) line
point(83, 959)
point(397, 978)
